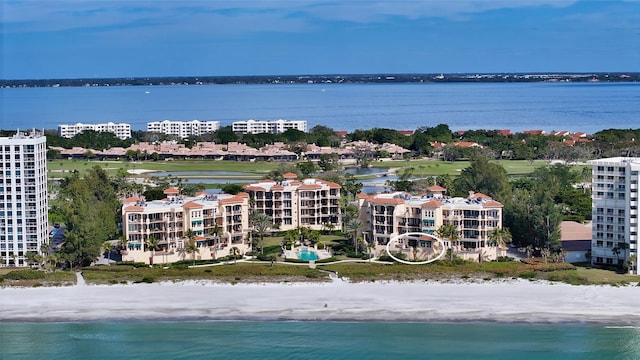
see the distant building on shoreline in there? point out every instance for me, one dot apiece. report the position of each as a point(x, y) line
point(268, 126)
point(23, 197)
point(183, 129)
point(121, 130)
point(615, 211)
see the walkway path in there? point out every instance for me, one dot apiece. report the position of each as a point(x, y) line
point(80, 280)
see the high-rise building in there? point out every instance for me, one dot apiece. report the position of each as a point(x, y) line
point(183, 129)
point(273, 126)
point(23, 197)
point(121, 130)
point(615, 211)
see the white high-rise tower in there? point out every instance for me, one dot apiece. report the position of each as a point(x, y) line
point(23, 197)
point(615, 211)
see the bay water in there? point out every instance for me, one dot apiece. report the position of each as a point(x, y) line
point(546, 106)
point(315, 340)
point(587, 107)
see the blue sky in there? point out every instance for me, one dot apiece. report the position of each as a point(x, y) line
point(118, 38)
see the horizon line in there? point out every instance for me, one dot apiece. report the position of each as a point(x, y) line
point(330, 75)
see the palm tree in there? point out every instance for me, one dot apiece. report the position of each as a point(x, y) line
point(616, 251)
point(261, 224)
point(449, 232)
point(352, 227)
point(152, 245)
point(31, 258)
point(234, 251)
point(290, 237)
point(106, 247)
point(192, 249)
point(499, 237)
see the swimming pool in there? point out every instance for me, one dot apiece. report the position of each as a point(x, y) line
point(307, 255)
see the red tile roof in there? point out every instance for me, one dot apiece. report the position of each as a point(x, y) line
point(432, 203)
point(192, 205)
point(290, 175)
point(493, 203)
point(172, 191)
point(133, 208)
point(436, 188)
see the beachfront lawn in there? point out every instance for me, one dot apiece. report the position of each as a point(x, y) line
point(601, 276)
point(35, 278)
point(232, 273)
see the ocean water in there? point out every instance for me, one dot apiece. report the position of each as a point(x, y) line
point(315, 340)
point(588, 107)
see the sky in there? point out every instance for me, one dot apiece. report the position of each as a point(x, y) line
point(47, 39)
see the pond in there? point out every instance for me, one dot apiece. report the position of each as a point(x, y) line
point(365, 171)
point(201, 173)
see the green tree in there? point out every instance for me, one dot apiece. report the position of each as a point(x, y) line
point(106, 247)
point(261, 224)
point(486, 177)
point(451, 233)
point(351, 228)
point(499, 237)
point(90, 209)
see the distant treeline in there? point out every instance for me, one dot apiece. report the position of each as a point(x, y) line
point(304, 79)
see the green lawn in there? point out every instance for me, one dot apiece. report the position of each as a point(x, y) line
point(58, 168)
point(431, 167)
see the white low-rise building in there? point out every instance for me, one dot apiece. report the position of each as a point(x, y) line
point(183, 129)
point(121, 130)
point(268, 126)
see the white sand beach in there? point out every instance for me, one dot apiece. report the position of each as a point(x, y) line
point(514, 300)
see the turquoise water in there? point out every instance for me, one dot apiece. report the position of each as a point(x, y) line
point(307, 255)
point(314, 340)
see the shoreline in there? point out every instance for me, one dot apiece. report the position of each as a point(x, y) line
point(511, 301)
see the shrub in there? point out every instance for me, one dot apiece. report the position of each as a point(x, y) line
point(147, 280)
point(24, 275)
point(568, 277)
point(294, 260)
point(327, 260)
point(38, 284)
point(504, 259)
point(529, 274)
point(266, 257)
point(132, 263)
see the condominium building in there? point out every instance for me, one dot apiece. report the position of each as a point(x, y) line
point(218, 224)
point(272, 126)
point(615, 211)
point(23, 197)
point(121, 130)
point(312, 203)
point(388, 215)
point(183, 129)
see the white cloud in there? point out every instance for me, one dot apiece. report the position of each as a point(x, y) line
point(236, 16)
